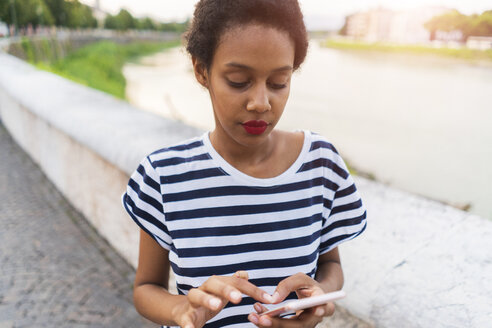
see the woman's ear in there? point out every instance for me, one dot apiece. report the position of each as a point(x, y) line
point(200, 72)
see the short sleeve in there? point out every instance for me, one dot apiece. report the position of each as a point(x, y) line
point(143, 202)
point(344, 217)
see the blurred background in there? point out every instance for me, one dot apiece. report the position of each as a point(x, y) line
point(402, 88)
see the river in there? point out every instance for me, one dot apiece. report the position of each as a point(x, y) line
point(421, 124)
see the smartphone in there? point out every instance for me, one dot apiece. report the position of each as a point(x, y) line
point(305, 303)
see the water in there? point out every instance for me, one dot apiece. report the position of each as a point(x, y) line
point(421, 124)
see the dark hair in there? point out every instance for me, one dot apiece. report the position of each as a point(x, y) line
point(213, 17)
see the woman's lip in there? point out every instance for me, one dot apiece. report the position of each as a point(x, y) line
point(255, 127)
point(255, 123)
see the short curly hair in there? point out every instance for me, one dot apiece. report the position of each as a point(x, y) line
point(214, 17)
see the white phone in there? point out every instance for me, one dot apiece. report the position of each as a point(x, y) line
point(305, 303)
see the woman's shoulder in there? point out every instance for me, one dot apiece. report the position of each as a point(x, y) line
point(183, 149)
point(319, 141)
point(310, 139)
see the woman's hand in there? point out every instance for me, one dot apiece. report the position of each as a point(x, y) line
point(304, 286)
point(205, 302)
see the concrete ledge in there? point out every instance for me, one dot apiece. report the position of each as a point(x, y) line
point(419, 264)
point(87, 142)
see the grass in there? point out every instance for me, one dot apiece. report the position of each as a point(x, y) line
point(99, 65)
point(461, 53)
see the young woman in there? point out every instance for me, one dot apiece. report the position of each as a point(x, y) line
point(246, 214)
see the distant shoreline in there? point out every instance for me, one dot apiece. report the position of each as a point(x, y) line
point(462, 54)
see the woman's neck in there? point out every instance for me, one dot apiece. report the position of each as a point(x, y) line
point(267, 160)
point(240, 155)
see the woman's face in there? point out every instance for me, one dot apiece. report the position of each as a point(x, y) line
point(249, 82)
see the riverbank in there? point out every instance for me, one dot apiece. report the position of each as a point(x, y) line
point(470, 55)
point(99, 65)
point(413, 124)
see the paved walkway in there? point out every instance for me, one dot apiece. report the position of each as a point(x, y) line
point(55, 270)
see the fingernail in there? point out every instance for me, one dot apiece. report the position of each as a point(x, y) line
point(257, 307)
point(276, 297)
point(253, 319)
point(268, 297)
point(319, 312)
point(214, 303)
point(265, 321)
point(235, 295)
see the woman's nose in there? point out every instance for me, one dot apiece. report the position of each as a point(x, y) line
point(259, 100)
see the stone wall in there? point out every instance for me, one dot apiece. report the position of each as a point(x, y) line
point(57, 44)
point(418, 264)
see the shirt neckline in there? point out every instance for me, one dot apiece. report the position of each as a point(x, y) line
point(232, 171)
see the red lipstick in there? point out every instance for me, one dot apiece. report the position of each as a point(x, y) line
point(255, 127)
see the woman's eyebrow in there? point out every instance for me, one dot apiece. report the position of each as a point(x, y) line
point(246, 67)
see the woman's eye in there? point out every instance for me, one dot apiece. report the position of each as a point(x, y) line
point(277, 85)
point(237, 85)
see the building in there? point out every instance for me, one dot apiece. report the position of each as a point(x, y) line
point(383, 25)
point(408, 26)
point(98, 13)
point(479, 42)
point(371, 26)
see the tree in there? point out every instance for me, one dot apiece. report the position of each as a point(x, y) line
point(33, 12)
point(59, 11)
point(450, 21)
point(110, 22)
point(79, 15)
point(173, 27)
point(474, 25)
point(47, 12)
point(146, 24)
point(481, 25)
point(122, 21)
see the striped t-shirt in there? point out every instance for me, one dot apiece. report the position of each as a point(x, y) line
point(216, 220)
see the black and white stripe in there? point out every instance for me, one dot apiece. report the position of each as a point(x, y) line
point(214, 219)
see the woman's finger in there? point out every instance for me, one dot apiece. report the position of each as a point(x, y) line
point(232, 288)
point(290, 284)
point(242, 275)
point(260, 308)
point(198, 297)
point(187, 323)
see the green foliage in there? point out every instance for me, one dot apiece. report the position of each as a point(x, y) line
point(99, 65)
point(25, 12)
point(59, 10)
point(34, 51)
point(122, 21)
point(69, 13)
point(28, 49)
point(474, 25)
point(146, 24)
point(481, 25)
point(79, 15)
point(173, 27)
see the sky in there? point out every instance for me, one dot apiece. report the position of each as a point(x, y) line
point(314, 10)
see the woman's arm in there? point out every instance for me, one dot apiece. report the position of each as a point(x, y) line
point(153, 301)
point(150, 293)
point(329, 273)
